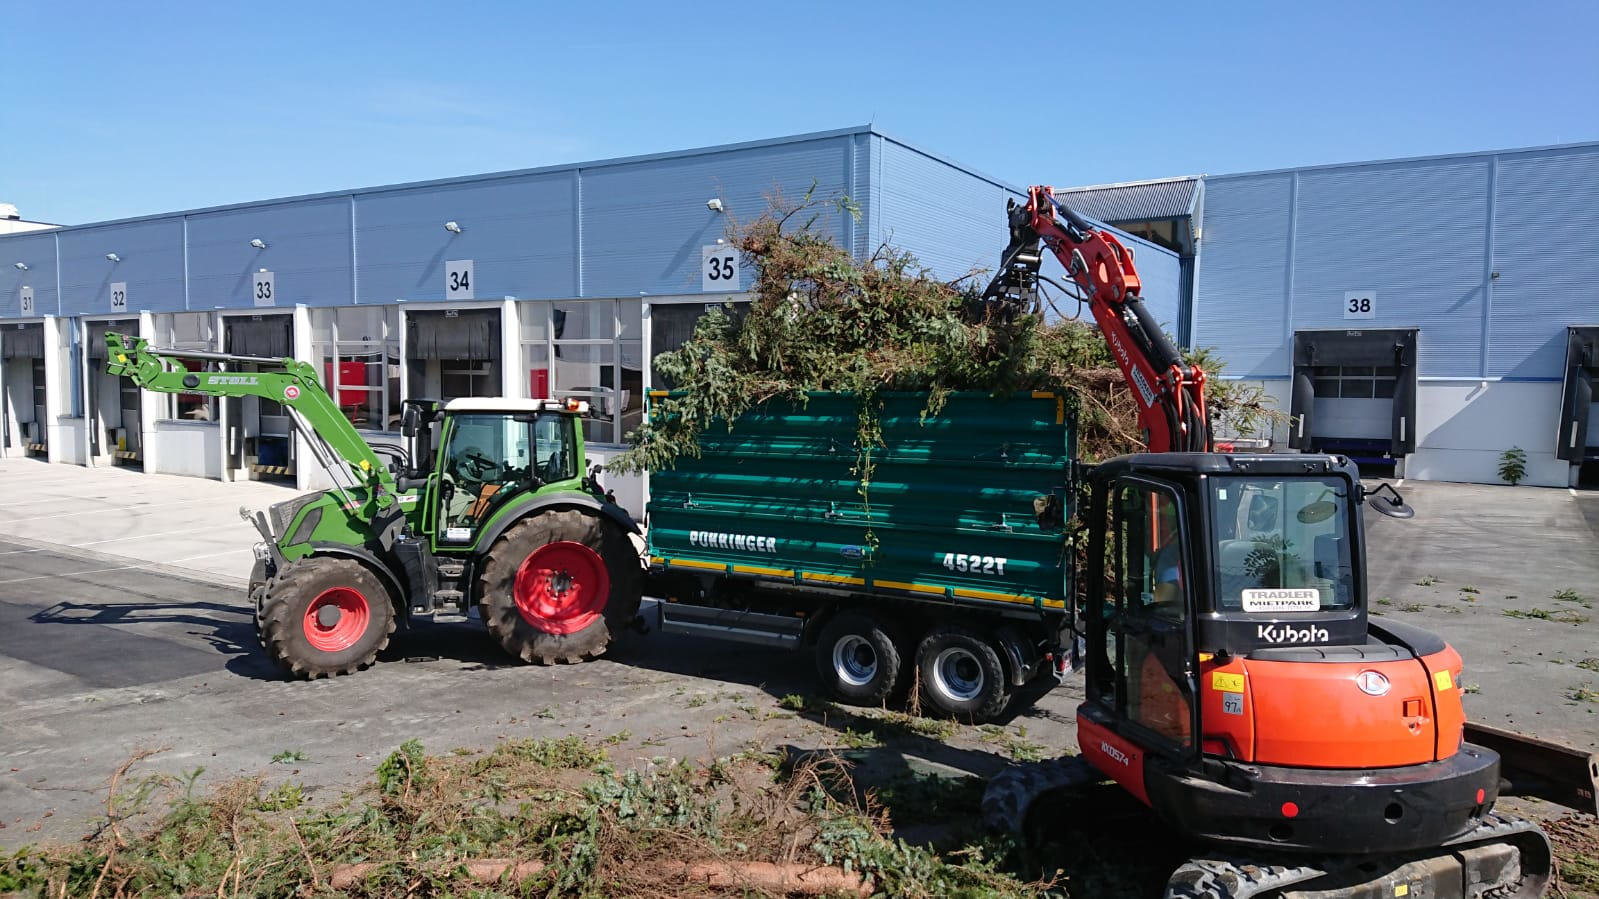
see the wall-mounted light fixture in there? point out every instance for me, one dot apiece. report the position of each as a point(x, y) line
point(21, 266)
point(258, 243)
point(714, 205)
point(452, 227)
point(113, 257)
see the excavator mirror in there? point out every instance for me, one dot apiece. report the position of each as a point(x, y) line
point(1392, 505)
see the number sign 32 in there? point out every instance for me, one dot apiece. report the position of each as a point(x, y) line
point(972, 564)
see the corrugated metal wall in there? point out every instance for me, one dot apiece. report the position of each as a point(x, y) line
point(1546, 252)
point(611, 228)
point(1240, 299)
point(1279, 249)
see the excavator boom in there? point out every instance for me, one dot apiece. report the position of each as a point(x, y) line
point(1169, 392)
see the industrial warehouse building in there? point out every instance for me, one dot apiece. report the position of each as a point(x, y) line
point(556, 281)
point(1421, 314)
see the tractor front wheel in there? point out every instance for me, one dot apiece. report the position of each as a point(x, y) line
point(321, 616)
point(559, 586)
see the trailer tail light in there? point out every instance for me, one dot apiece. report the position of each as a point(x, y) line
point(1290, 810)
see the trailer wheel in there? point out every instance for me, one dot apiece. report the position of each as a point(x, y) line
point(559, 586)
point(961, 674)
point(857, 659)
point(322, 616)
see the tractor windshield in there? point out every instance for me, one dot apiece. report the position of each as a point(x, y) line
point(489, 459)
point(1282, 544)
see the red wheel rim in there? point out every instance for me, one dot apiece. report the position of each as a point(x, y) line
point(336, 619)
point(561, 588)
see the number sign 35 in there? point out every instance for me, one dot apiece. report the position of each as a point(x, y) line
point(719, 268)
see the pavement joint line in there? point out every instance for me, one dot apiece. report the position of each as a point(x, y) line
point(139, 508)
point(65, 574)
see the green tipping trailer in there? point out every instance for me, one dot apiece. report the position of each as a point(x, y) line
point(952, 569)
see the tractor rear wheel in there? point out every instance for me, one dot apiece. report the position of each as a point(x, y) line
point(321, 616)
point(559, 586)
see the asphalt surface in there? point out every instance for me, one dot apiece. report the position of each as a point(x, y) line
point(102, 656)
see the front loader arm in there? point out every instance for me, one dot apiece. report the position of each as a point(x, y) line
point(294, 385)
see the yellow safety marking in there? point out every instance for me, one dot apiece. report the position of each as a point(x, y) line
point(1442, 680)
point(1054, 603)
point(914, 588)
point(1060, 410)
point(658, 393)
point(691, 563)
point(756, 569)
point(832, 578)
point(1402, 889)
point(988, 594)
point(121, 358)
point(1206, 656)
point(658, 560)
point(1227, 683)
point(365, 465)
point(1043, 395)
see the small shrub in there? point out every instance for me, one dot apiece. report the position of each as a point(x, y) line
point(1513, 465)
point(1426, 580)
point(287, 756)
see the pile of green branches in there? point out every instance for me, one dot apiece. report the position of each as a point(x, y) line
point(821, 320)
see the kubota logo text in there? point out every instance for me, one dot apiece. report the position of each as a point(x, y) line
point(1282, 633)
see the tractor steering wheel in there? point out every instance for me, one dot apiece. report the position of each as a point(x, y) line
point(473, 465)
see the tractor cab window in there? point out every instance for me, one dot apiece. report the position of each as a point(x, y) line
point(491, 458)
point(1282, 544)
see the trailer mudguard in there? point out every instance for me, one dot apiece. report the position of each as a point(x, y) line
point(522, 508)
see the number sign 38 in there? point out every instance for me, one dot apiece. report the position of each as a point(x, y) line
point(973, 564)
point(1360, 304)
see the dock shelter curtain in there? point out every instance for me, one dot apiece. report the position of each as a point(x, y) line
point(23, 342)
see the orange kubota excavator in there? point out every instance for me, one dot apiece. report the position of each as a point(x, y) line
point(1234, 683)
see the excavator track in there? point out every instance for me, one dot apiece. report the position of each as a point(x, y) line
point(1505, 857)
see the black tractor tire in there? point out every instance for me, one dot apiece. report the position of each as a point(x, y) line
point(578, 630)
point(858, 659)
point(306, 641)
point(961, 675)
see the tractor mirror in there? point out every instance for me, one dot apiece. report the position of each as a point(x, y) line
point(409, 420)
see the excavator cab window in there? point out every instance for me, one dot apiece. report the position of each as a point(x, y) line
point(1282, 544)
point(1143, 655)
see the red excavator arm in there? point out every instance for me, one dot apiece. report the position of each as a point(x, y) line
point(1170, 394)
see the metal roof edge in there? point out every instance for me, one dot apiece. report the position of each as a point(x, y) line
point(1437, 157)
point(936, 157)
point(470, 179)
point(1116, 184)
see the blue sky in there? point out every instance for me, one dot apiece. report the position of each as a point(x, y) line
point(119, 109)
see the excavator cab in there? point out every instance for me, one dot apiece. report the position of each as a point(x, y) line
point(1235, 684)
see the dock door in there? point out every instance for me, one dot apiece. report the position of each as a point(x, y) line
point(1577, 443)
point(453, 353)
point(22, 407)
point(113, 403)
point(258, 435)
point(1354, 393)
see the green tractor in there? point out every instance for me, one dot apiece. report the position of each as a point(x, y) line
point(502, 515)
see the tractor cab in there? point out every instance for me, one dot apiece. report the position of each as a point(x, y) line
point(491, 451)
